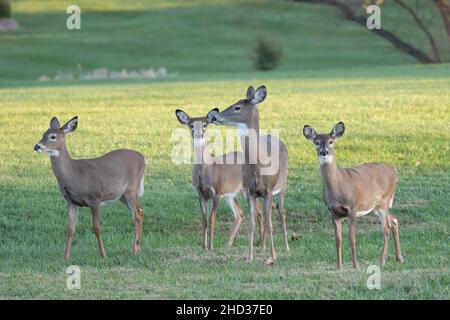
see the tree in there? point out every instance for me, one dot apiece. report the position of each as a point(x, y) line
point(355, 11)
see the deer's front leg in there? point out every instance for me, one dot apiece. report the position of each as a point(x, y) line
point(338, 236)
point(268, 228)
point(212, 222)
point(97, 230)
point(352, 236)
point(73, 213)
point(204, 207)
point(251, 225)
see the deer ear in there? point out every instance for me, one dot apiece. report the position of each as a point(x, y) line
point(70, 126)
point(250, 93)
point(211, 115)
point(54, 123)
point(338, 130)
point(309, 132)
point(259, 96)
point(182, 116)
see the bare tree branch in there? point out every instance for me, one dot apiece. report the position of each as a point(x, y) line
point(434, 48)
point(444, 9)
point(350, 15)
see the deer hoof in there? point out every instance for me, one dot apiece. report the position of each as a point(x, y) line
point(270, 261)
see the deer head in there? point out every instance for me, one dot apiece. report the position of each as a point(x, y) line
point(53, 140)
point(324, 142)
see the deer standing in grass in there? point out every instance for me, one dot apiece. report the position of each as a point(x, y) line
point(354, 192)
point(117, 175)
point(260, 178)
point(215, 178)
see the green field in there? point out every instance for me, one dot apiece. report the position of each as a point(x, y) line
point(395, 111)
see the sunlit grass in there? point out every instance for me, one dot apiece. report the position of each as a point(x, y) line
point(396, 117)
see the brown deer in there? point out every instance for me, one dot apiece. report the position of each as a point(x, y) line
point(259, 180)
point(215, 178)
point(355, 192)
point(117, 175)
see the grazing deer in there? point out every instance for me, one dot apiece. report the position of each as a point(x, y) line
point(355, 192)
point(117, 175)
point(258, 182)
point(215, 178)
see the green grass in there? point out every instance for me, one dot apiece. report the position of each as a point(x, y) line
point(398, 119)
point(395, 112)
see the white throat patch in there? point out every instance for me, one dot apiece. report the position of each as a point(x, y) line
point(243, 129)
point(325, 159)
point(52, 153)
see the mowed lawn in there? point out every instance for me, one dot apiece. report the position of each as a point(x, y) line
point(395, 112)
point(395, 117)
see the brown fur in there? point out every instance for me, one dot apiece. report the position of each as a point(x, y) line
point(116, 175)
point(349, 191)
point(245, 113)
point(214, 179)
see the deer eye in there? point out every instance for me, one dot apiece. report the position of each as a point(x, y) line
point(330, 142)
point(316, 143)
point(52, 137)
point(191, 126)
point(237, 108)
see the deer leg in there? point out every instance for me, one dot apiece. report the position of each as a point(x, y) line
point(97, 230)
point(259, 215)
point(394, 225)
point(238, 216)
point(130, 201)
point(251, 225)
point(337, 225)
point(204, 207)
point(212, 222)
point(73, 213)
point(386, 232)
point(268, 199)
point(138, 226)
point(282, 214)
point(352, 236)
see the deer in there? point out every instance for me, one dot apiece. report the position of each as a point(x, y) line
point(117, 175)
point(355, 192)
point(215, 178)
point(258, 181)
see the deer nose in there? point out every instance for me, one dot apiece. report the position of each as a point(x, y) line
point(36, 147)
point(323, 152)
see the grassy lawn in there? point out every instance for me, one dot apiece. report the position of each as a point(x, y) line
point(397, 112)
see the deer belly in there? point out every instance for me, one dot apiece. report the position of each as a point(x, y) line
point(363, 213)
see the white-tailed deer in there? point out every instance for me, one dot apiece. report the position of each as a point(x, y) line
point(117, 175)
point(258, 182)
point(215, 178)
point(355, 192)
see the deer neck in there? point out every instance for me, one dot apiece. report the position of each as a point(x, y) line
point(330, 176)
point(206, 159)
point(62, 164)
point(249, 136)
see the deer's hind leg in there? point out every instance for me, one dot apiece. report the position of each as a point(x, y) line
point(282, 213)
point(129, 199)
point(238, 216)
